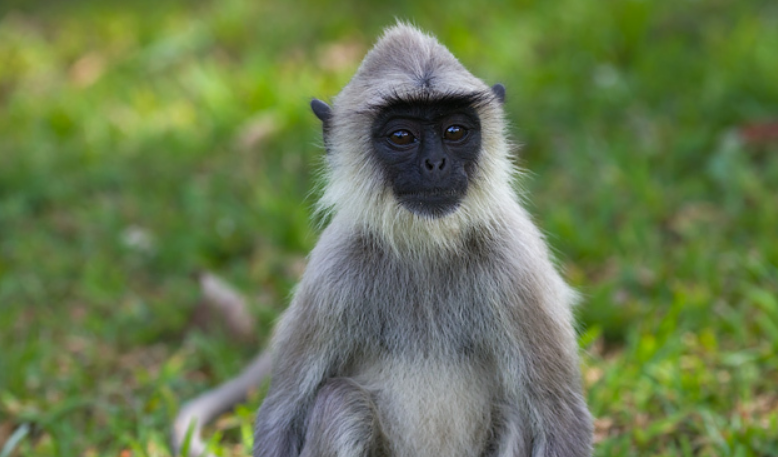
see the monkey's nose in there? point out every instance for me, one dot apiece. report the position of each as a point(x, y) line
point(435, 165)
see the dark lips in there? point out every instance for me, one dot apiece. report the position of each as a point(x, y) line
point(436, 203)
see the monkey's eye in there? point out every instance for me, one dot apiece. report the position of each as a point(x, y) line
point(401, 137)
point(455, 133)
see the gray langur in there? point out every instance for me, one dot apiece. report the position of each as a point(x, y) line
point(430, 320)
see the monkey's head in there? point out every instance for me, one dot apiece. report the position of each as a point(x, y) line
point(415, 143)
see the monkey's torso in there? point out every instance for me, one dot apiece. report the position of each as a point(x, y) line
point(422, 335)
point(423, 347)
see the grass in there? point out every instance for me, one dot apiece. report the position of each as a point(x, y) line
point(142, 142)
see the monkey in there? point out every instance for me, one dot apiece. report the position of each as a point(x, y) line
point(430, 319)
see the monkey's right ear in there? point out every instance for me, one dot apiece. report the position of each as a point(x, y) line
point(499, 91)
point(321, 110)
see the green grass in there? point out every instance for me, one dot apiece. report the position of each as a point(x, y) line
point(142, 142)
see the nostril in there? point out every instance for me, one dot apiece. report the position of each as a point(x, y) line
point(433, 165)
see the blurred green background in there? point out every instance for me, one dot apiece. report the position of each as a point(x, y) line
point(142, 142)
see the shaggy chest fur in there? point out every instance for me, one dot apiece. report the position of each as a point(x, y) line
point(423, 347)
point(424, 308)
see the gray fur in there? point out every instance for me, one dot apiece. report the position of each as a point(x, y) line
point(418, 337)
point(343, 422)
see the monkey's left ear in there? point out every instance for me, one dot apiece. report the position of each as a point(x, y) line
point(499, 92)
point(321, 110)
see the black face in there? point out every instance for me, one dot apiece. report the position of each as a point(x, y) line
point(428, 150)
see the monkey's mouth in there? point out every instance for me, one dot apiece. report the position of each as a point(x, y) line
point(431, 203)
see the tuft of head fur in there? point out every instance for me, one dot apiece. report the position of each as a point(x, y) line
point(407, 64)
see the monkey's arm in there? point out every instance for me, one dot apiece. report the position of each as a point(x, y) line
point(303, 359)
point(546, 415)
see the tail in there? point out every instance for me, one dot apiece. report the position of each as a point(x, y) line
point(207, 406)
